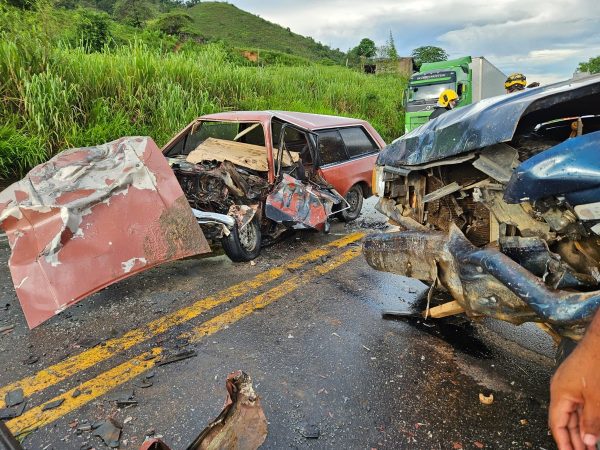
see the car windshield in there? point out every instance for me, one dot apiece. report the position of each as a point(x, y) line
point(428, 91)
point(244, 132)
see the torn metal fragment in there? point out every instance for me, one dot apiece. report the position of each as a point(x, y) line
point(242, 423)
point(52, 405)
point(110, 432)
point(14, 397)
point(177, 357)
point(11, 413)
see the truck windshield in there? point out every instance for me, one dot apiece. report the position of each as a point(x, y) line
point(428, 92)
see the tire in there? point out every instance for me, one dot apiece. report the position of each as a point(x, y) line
point(245, 245)
point(355, 198)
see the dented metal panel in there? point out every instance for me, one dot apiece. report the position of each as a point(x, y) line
point(571, 168)
point(491, 121)
point(92, 216)
point(293, 202)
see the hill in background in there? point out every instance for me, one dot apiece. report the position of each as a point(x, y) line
point(223, 21)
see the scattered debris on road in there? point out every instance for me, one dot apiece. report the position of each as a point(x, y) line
point(486, 399)
point(54, 404)
point(177, 357)
point(6, 329)
point(14, 397)
point(124, 398)
point(241, 425)
point(11, 413)
point(109, 431)
point(310, 431)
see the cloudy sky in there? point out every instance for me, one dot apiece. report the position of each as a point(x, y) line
point(545, 40)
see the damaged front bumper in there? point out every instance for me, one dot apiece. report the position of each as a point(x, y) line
point(484, 281)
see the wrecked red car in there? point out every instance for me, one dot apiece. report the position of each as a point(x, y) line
point(250, 175)
point(92, 216)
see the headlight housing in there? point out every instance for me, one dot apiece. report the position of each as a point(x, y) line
point(378, 181)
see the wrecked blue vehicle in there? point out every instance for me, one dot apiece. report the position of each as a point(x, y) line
point(498, 204)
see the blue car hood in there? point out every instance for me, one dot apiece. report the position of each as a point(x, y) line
point(491, 121)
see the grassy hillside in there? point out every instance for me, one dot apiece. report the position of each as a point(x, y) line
point(55, 95)
point(241, 29)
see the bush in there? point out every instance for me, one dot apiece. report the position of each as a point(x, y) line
point(173, 22)
point(93, 30)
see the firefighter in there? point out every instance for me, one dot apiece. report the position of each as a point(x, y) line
point(446, 101)
point(515, 82)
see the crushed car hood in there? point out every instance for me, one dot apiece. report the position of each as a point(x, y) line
point(491, 121)
point(92, 216)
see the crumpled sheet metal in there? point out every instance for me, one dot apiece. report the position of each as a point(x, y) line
point(293, 202)
point(90, 217)
point(241, 425)
point(482, 280)
point(490, 121)
point(554, 171)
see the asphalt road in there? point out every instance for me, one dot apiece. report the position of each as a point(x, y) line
point(305, 322)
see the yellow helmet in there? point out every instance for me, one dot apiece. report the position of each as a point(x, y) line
point(446, 97)
point(515, 81)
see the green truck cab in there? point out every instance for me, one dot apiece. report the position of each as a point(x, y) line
point(473, 78)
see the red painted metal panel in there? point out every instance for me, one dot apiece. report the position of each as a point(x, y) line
point(90, 217)
point(307, 121)
point(294, 202)
point(342, 176)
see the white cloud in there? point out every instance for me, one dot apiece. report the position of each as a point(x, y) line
point(544, 40)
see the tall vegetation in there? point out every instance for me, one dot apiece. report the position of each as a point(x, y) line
point(56, 95)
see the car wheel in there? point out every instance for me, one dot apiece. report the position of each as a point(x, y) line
point(243, 245)
point(354, 197)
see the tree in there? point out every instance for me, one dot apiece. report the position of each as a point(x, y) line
point(592, 66)
point(390, 47)
point(173, 22)
point(427, 54)
point(133, 12)
point(365, 48)
point(93, 30)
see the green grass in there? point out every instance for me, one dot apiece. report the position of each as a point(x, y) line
point(55, 96)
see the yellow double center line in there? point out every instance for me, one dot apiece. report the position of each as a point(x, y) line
point(132, 368)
